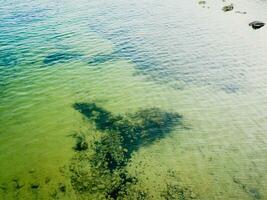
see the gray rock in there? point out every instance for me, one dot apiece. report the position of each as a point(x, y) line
point(228, 8)
point(256, 24)
point(202, 2)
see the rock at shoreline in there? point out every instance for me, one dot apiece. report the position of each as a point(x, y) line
point(256, 24)
point(228, 8)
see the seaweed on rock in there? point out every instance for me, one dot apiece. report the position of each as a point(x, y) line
point(102, 171)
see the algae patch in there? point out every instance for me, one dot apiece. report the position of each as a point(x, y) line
point(81, 143)
point(176, 189)
point(101, 170)
point(134, 129)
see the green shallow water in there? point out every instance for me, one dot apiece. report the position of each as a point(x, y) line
point(206, 65)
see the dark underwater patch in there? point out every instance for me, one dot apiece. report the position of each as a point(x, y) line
point(8, 58)
point(81, 143)
point(101, 58)
point(140, 128)
point(230, 88)
point(27, 16)
point(176, 189)
point(61, 57)
point(103, 169)
point(252, 192)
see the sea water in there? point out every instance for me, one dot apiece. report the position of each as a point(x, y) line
point(203, 64)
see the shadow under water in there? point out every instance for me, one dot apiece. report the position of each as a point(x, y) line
point(61, 57)
point(101, 58)
point(101, 169)
point(8, 58)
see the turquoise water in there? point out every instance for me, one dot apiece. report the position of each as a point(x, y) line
point(204, 65)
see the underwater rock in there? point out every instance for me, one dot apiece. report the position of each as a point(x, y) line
point(47, 180)
point(256, 24)
point(3, 186)
point(35, 185)
point(62, 187)
point(81, 143)
point(18, 184)
point(31, 171)
point(61, 57)
point(228, 8)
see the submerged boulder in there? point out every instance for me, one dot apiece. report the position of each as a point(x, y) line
point(256, 24)
point(228, 8)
